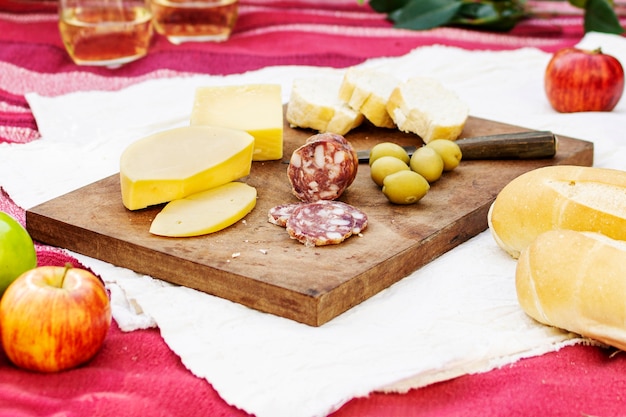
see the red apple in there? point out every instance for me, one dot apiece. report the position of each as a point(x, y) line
point(54, 318)
point(583, 80)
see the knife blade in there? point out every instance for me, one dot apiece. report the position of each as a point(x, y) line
point(517, 145)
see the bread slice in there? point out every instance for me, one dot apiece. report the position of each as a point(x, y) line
point(425, 107)
point(367, 91)
point(314, 103)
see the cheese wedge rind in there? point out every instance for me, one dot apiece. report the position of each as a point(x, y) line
point(205, 212)
point(175, 163)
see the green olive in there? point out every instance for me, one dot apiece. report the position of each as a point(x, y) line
point(388, 149)
point(384, 166)
point(449, 151)
point(405, 187)
point(427, 162)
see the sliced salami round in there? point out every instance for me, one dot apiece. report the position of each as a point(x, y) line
point(325, 222)
point(279, 215)
point(322, 168)
point(360, 220)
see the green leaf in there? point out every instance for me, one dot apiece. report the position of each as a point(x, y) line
point(500, 15)
point(600, 17)
point(578, 3)
point(491, 15)
point(425, 14)
point(387, 6)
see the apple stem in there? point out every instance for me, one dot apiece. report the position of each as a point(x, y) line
point(68, 266)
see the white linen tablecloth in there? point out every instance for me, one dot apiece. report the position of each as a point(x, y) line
point(457, 315)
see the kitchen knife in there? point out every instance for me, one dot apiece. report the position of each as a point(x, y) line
point(518, 145)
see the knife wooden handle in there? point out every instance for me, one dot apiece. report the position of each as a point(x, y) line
point(518, 145)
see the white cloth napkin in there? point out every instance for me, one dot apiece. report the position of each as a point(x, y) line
point(457, 315)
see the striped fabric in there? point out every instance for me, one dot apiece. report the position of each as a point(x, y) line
point(336, 33)
point(136, 373)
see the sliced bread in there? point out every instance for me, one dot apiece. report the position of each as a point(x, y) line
point(367, 91)
point(314, 103)
point(425, 107)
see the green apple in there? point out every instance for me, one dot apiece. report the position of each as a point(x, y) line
point(17, 251)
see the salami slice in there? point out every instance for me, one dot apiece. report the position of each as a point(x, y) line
point(360, 220)
point(325, 222)
point(279, 215)
point(322, 168)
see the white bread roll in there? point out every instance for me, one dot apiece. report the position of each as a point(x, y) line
point(559, 197)
point(314, 103)
point(367, 91)
point(425, 107)
point(576, 281)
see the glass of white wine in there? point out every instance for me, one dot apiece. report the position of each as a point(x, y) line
point(194, 20)
point(105, 32)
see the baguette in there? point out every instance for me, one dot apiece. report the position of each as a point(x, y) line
point(575, 281)
point(559, 197)
point(367, 91)
point(425, 107)
point(314, 103)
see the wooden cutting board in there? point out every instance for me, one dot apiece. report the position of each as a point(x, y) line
point(255, 263)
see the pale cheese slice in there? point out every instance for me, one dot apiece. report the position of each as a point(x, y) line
point(255, 108)
point(175, 163)
point(205, 212)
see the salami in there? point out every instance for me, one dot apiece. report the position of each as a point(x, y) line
point(322, 168)
point(279, 215)
point(328, 136)
point(338, 138)
point(325, 222)
point(360, 220)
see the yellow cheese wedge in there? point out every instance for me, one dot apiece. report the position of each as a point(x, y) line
point(175, 163)
point(255, 108)
point(205, 212)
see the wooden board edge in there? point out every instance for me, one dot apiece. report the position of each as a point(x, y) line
point(297, 306)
